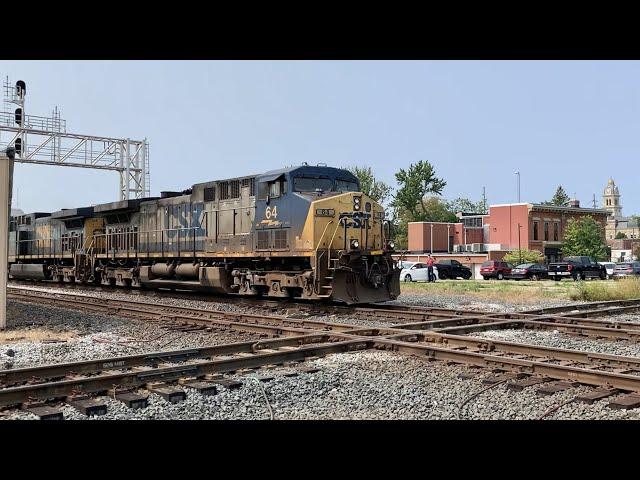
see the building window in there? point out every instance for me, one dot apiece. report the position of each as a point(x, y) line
point(556, 232)
point(535, 230)
point(546, 231)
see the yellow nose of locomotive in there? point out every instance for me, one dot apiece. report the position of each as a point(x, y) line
point(348, 222)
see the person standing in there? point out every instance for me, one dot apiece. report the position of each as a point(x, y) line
point(430, 269)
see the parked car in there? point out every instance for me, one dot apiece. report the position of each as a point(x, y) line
point(609, 267)
point(405, 264)
point(495, 269)
point(578, 268)
point(626, 269)
point(452, 269)
point(528, 271)
point(417, 272)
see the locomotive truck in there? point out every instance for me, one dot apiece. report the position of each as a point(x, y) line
point(305, 232)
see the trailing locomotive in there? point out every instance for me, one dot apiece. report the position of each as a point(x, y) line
point(305, 232)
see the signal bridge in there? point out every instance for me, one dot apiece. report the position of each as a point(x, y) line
point(45, 141)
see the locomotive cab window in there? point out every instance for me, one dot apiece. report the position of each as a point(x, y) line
point(311, 184)
point(346, 186)
point(273, 189)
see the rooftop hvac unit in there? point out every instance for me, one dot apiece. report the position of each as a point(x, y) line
point(468, 248)
point(476, 247)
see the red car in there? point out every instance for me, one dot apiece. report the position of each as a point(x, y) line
point(495, 269)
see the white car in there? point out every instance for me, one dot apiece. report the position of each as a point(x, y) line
point(416, 272)
point(610, 266)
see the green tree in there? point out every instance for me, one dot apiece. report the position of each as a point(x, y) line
point(620, 235)
point(437, 210)
point(465, 205)
point(584, 237)
point(415, 184)
point(370, 185)
point(527, 256)
point(560, 198)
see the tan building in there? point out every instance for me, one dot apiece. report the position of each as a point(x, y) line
point(616, 223)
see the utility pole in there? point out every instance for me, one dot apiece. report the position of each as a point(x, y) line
point(6, 185)
point(519, 248)
point(432, 239)
point(484, 200)
point(518, 175)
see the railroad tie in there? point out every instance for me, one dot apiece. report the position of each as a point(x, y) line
point(204, 388)
point(519, 385)
point(88, 406)
point(229, 383)
point(626, 402)
point(46, 413)
point(169, 393)
point(500, 378)
point(133, 400)
point(597, 394)
point(556, 387)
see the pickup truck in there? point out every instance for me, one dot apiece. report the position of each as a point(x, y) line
point(578, 268)
point(452, 269)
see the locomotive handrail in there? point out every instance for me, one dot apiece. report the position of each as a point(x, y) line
point(333, 238)
point(317, 248)
point(138, 238)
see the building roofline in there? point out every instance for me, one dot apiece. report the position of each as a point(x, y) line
point(510, 204)
point(439, 223)
point(570, 209)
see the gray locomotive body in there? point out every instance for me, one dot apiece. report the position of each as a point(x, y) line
point(298, 232)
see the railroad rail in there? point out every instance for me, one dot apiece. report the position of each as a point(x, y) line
point(440, 338)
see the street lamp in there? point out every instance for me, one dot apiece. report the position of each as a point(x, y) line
point(518, 175)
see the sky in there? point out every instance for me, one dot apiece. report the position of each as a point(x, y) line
point(570, 123)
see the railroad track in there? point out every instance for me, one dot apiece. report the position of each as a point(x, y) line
point(392, 312)
point(521, 365)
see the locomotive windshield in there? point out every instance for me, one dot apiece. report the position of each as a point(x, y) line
point(311, 184)
point(346, 186)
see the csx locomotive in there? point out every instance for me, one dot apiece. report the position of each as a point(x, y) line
point(304, 231)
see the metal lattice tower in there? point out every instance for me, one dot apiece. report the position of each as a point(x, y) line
point(45, 141)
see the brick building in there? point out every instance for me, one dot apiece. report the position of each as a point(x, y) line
point(505, 228)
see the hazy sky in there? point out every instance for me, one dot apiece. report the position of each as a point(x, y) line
point(558, 122)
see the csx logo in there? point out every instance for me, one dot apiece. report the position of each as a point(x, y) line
point(355, 220)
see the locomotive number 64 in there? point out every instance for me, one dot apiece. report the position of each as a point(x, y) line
point(271, 212)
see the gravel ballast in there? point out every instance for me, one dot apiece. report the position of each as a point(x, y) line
point(361, 385)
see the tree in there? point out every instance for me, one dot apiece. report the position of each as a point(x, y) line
point(524, 256)
point(415, 184)
point(560, 198)
point(436, 210)
point(467, 206)
point(620, 235)
point(636, 252)
point(370, 185)
point(584, 237)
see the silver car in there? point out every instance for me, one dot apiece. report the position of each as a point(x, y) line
point(626, 269)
